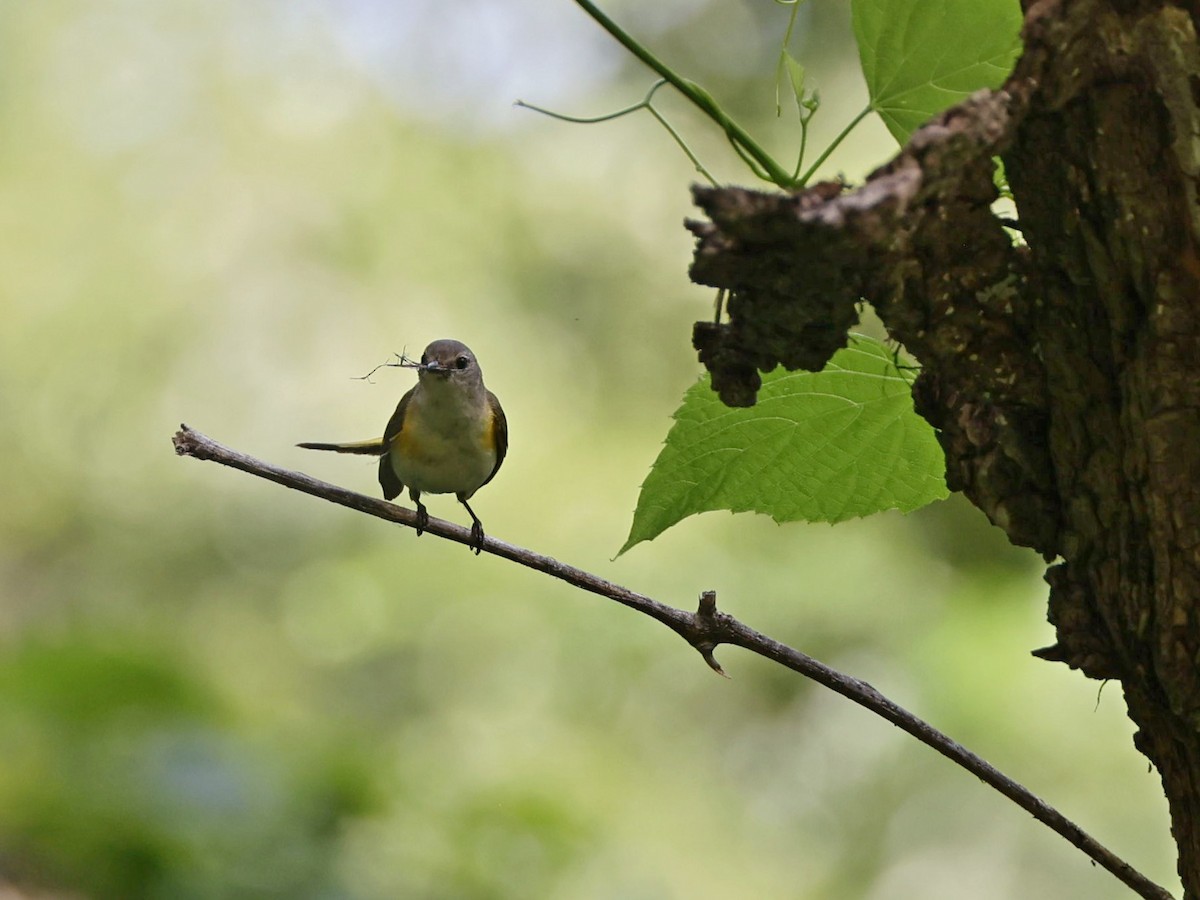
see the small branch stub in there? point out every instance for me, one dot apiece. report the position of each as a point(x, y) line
point(706, 622)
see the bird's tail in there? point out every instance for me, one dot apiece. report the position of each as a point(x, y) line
point(369, 448)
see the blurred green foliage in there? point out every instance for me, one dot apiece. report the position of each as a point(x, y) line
point(222, 213)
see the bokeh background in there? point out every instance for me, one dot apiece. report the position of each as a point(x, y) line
point(221, 212)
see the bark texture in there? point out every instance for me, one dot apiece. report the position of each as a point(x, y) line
point(1063, 376)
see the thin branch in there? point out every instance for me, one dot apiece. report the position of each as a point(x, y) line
point(704, 630)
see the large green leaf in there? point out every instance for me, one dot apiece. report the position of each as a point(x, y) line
point(818, 446)
point(921, 56)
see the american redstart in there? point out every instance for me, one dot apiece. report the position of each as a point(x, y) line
point(448, 434)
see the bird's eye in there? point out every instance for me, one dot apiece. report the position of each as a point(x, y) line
point(462, 362)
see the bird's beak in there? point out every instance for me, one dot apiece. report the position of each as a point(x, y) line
point(433, 367)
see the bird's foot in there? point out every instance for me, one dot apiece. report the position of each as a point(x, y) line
point(422, 519)
point(476, 537)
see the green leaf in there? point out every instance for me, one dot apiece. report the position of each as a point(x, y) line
point(796, 76)
point(921, 56)
point(818, 446)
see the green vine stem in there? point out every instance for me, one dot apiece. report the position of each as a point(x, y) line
point(783, 52)
point(833, 146)
point(646, 104)
point(700, 98)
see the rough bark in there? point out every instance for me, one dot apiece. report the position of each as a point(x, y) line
point(1062, 373)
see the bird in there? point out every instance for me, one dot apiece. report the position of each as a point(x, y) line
point(448, 435)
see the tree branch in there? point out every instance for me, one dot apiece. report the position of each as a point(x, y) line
point(704, 630)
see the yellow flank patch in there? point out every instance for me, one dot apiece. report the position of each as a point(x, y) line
point(407, 443)
point(489, 431)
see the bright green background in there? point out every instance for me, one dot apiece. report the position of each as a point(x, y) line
point(219, 212)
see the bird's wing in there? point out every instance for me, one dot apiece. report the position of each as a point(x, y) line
point(388, 480)
point(499, 434)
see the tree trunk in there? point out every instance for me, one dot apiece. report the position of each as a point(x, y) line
point(1061, 373)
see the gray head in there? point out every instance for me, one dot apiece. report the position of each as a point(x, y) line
point(449, 361)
